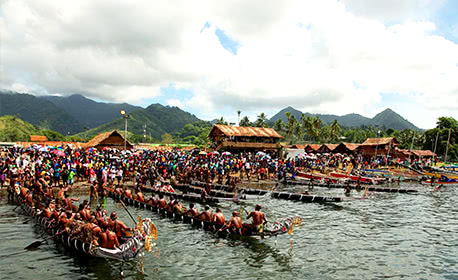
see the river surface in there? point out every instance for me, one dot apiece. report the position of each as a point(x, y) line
point(398, 236)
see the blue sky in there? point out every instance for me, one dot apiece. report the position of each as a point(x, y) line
point(330, 56)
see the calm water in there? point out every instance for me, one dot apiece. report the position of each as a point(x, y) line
point(399, 236)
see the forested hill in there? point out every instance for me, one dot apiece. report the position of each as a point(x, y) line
point(157, 118)
point(388, 119)
point(89, 113)
point(39, 112)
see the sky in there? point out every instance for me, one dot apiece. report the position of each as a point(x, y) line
point(213, 58)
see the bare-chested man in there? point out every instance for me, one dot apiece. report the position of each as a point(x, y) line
point(218, 219)
point(162, 203)
point(118, 226)
point(235, 224)
point(206, 215)
point(192, 211)
point(258, 219)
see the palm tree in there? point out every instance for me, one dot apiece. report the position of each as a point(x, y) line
point(297, 130)
point(336, 130)
point(290, 124)
point(238, 117)
point(221, 121)
point(261, 121)
point(307, 124)
point(245, 122)
point(278, 126)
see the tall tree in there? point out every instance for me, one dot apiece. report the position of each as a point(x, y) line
point(245, 122)
point(238, 116)
point(278, 126)
point(336, 131)
point(290, 125)
point(261, 121)
point(221, 121)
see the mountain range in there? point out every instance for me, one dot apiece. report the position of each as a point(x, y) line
point(385, 119)
point(77, 114)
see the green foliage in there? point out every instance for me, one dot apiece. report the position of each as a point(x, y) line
point(167, 138)
point(221, 121)
point(157, 118)
point(52, 135)
point(387, 118)
point(245, 122)
point(39, 112)
point(261, 120)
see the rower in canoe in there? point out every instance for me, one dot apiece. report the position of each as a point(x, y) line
point(258, 220)
point(235, 224)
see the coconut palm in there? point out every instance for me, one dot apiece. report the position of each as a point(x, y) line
point(245, 121)
point(261, 121)
point(278, 126)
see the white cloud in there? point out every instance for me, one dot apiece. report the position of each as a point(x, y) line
point(307, 54)
point(175, 103)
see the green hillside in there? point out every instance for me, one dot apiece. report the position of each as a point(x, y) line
point(391, 119)
point(158, 120)
point(89, 113)
point(14, 129)
point(39, 112)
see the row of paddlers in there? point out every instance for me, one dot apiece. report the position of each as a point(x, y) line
point(276, 228)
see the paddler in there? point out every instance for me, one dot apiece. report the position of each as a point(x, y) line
point(192, 211)
point(258, 220)
point(118, 226)
point(218, 219)
point(235, 224)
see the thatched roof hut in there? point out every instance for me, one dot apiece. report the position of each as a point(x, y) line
point(111, 139)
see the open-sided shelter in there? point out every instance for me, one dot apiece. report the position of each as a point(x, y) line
point(378, 146)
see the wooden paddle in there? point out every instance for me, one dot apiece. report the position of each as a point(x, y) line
point(125, 208)
point(37, 243)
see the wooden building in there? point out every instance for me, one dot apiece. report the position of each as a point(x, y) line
point(311, 148)
point(423, 154)
point(346, 148)
point(38, 138)
point(378, 146)
point(327, 148)
point(111, 139)
point(241, 138)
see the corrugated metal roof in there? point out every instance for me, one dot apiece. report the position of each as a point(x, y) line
point(229, 130)
point(379, 141)
point(423, 153)
point(351, 146)
point(313, 147)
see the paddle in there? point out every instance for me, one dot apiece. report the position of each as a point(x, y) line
point(37, 243)
point(125, 208)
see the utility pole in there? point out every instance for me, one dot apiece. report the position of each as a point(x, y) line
point(125, 116)
point(144, 133)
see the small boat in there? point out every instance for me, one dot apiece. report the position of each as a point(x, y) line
point(438, 183)
point(284, 195)
point(361, 179)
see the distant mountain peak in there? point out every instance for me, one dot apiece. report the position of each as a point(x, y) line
point(387, 118)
